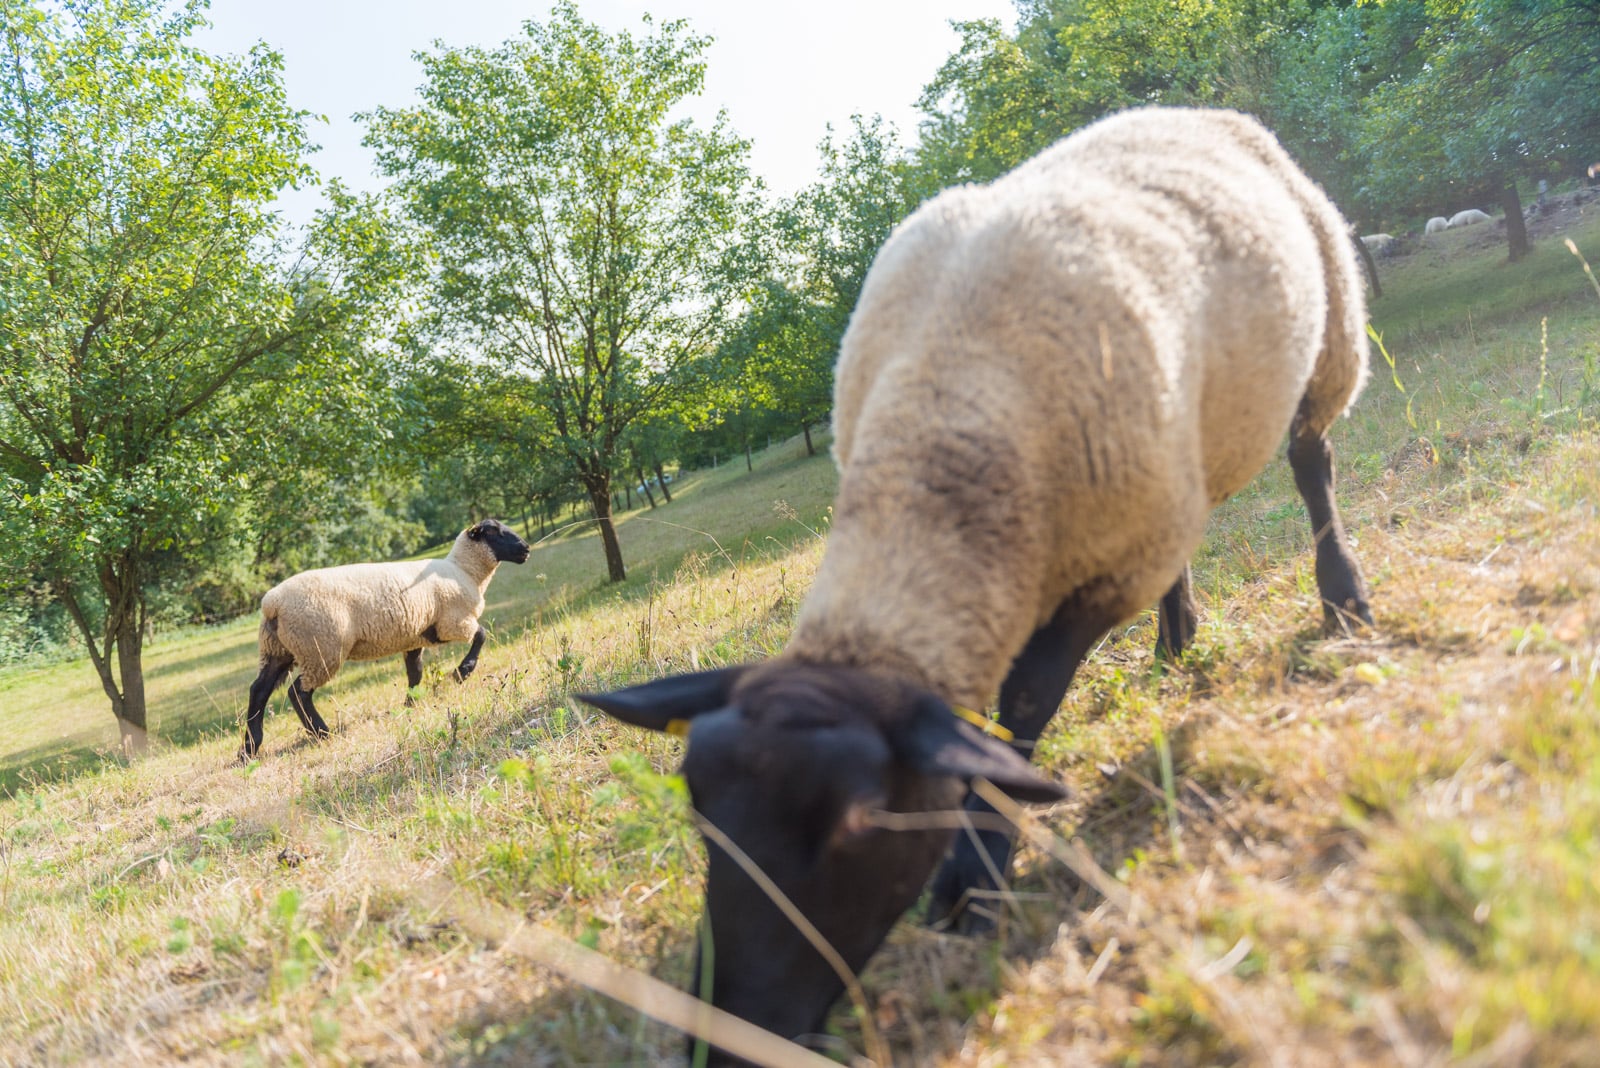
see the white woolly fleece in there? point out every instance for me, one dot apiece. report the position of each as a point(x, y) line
point(329, 615)
point(1049, 382)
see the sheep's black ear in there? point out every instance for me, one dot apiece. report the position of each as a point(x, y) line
point(477, 531)
point(656, 704)
point(934, 741)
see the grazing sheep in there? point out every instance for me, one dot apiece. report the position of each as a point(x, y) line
point(1378, 244)
point(1047, 385)
point(1470, 217)
point(321, 618)
point(1436, 225)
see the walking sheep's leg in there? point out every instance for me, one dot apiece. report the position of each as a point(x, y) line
point(470, 661)
point(272, 673)
point(1176, 618)
point(300, 698)
point(1344, 593)
point(1029, 698)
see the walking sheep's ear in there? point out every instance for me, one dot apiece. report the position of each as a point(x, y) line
point(935, 742)
point(658, 705)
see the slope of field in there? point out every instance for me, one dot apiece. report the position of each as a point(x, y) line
point(1378, 850)
point(56, 721)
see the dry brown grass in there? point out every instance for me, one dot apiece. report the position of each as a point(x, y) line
point(1321, 789)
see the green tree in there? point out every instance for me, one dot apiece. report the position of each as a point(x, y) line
point(839, 222)
point(991, 105)
point(1117, 53)
point(581, 232)
point(151, 342)
point(822, 243)
point(482, 442)
point(1503, 89)
point(1322, 80)
point(783, 362)
point(652, 441)
point(1002, 98)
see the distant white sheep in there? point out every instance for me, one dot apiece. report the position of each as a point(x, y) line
point(1470, 217)
point(1436, 225)
point(321, 618)
point(1378, 244)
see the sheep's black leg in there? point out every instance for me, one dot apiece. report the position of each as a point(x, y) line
point(1029, 697)
point(300, 698)
point(1344, 593)
point(272, 673)
point(470, 661)
point(413, 671)
point(1176, 619)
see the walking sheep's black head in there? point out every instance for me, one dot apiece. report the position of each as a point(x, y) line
point(795, 763)
point(501, 540)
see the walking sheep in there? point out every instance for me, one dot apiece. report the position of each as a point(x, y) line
point(321, 618)
point(1047, 385)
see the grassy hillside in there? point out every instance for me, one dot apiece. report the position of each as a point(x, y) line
point(1377, 851)
point(57, 722)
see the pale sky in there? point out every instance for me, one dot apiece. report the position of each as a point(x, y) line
point(782, 71)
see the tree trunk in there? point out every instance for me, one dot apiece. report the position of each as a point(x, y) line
point(124, 632)
point(600, 501)
point(119, 580)
point(644, 484)
point(130, 661)
point(661, 480)
point(748, 466)
point(1372, 265)
point(811, 450)
point(1516, 228)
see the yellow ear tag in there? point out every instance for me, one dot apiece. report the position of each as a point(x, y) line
point(678, 728)
point(983, 723)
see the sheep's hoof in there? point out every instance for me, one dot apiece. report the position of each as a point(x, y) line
point(461, 673)
point(1167, 653)
point(1348, 620)
point(962, 899)
point(241, 759)
point(964, 916)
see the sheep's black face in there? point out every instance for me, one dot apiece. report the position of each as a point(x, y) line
point(794, 764)
point(501, 540)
